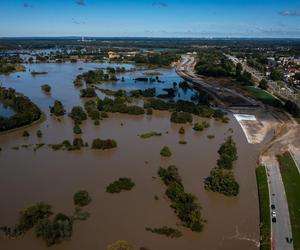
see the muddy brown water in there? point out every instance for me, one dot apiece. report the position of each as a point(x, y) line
point(54, 176)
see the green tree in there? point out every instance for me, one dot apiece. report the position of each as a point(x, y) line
point(81, 198)
point(263, 84)
point(165, 151)
point(57, 109)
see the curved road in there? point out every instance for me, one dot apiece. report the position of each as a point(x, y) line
point(186, 70)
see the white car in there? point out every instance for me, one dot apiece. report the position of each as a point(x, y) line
point(273, 214)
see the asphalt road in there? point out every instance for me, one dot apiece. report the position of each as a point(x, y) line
point(186, 70)
point(295, 153)
point(282, 228)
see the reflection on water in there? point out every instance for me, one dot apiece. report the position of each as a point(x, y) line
point(5, 111)
point(27, 176)
point(61, 76)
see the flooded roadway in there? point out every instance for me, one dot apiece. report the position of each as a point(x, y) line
point(54, 176)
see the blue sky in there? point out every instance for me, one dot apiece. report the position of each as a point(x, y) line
point(143, 18)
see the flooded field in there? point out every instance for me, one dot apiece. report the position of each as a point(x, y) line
point(5, 111)
point(54, 176)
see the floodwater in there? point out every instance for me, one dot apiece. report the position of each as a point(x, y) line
point(27, 177)
point(5, 111)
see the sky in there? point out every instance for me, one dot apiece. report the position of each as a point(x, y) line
point(146, 18)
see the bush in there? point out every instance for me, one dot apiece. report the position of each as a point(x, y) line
point(88, 92)
point(165, 151)
point(221, 178)
point(185, 204)
point(77, 129)
point(119, 105)
point(201, 126)
point(135, 110)
point(181, 130)
point(56, 231)
point(66, 145)
point(103, 144)
point(77, 144)
point(228, 154)
point(182, 142)
point(25, 133)
point(167, 231)
point(120, 245)
point(46, 88)
point(210, 137)
point(81, 198)
point(220, 115)
point(33, 214)
point(150, 134)
point(119, 185)
point(222, 181)
point(57, 109)
point(181, 117)
point(78, 115)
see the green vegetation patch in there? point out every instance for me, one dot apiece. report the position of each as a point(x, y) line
point(66, 145)
point(119, 105)
point(149, 134)
point(214, 63)
point(181, 117)
point(57, 109)
point(228, 154)
point(26, 112)
point(291, 181)
point(119, 185)
point(103, 144)
point(184, 204)
point(222, 181)
point(165, 152)
point(78, 115)
point(81, 198)
point(182, 142)
point(88, 92)
point(77, 129)
point(46, 88)
point(53, 230)
point(263, 96)
point(221, 178)
point(167, 231)
point(201, 126)
point(264, 208)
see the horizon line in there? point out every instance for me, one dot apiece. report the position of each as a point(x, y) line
point(148, 37)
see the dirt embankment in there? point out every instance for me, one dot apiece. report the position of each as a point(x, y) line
point(286, 135)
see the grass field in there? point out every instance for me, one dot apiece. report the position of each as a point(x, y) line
point(291, 180)
point(264, 208)
point(262, 96)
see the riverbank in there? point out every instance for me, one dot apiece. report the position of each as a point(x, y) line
point(42, 118)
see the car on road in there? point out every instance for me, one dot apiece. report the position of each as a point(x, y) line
point(272, 206)
point(274, 219)
point(273, 214)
